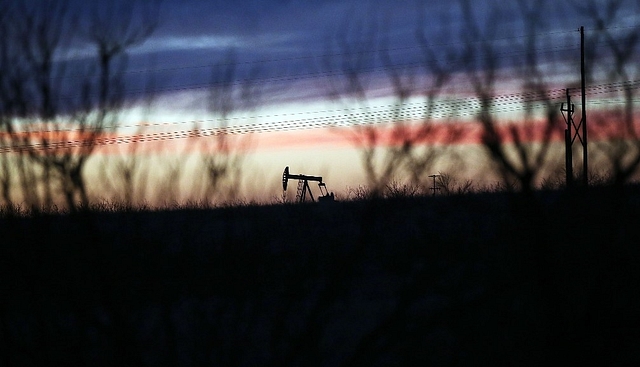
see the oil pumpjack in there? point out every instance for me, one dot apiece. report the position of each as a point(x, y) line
point(303, 186)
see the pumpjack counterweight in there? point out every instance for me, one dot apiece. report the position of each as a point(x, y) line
point(303, 186)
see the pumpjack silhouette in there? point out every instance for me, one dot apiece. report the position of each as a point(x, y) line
point(303, 187)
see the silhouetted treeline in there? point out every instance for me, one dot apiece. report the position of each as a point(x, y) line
point(479, 279)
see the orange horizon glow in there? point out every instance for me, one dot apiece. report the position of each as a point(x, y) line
point(385, 135)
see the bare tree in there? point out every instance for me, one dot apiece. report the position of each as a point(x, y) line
point(123, 172)
point(521, 159)
point(354, 43)
point(113, 30)
point(612, 55)
point(63, 119)
point(391, 139)
point(440, 111)
point(35, 36)
point(223, 150)
point(5, 107)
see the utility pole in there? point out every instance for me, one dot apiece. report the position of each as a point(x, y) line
point(434, 188)
point(568, 139)
point(579, 131)
point(585, 164)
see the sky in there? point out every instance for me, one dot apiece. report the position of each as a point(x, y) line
point(284, 62)
point(288, 42)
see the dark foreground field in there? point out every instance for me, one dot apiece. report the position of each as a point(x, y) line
point(491, 279)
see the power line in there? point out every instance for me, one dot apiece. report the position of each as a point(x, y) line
point(296, 58)
point(301, 124)
point(450, 105)
point(366, 118)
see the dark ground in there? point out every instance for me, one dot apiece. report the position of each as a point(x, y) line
point(484, 279)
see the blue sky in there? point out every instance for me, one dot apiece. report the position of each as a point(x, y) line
point(290, 39)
